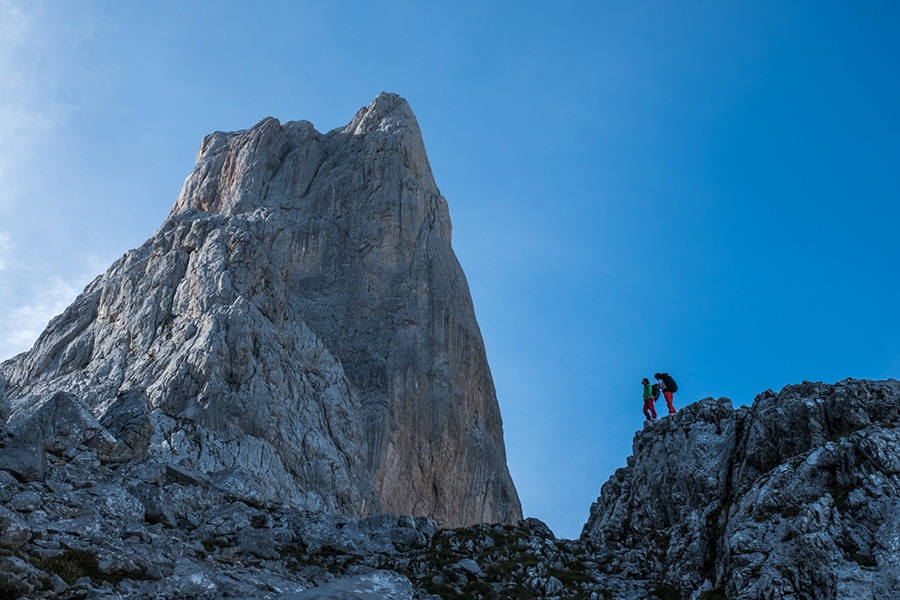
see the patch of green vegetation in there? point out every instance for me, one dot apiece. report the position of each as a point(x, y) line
point(572, 577)
point(329, 558)
point(500, 570)
point(468, 591)
point(430, 565)
point(8, 590)
point(463, 534)
point(302, 559)
point(518, 592)
point(442, 557)
point(580, 551)
point(443, 590)
point(477, 589)
point(72, 565)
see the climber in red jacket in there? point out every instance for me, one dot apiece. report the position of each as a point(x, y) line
point(669, 387)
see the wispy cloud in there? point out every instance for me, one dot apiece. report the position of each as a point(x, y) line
point(29, 108)
point(31, 112)
point(25, 323)
point(4, 250)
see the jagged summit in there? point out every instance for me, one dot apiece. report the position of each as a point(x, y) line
point(387, 112)
point(275, 165)
point(300, 319)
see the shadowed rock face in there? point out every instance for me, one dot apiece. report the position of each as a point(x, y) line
point(300, 316)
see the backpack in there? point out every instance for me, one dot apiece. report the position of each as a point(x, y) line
point(655, 389)
point(670, 383)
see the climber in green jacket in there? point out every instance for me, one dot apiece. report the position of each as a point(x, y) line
point(649, 409)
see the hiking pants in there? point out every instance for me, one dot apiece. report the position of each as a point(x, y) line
point(668, 396)
point(649, 409)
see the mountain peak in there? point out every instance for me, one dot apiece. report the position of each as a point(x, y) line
point(273, 164)
point(388, 112)
point(300, 315)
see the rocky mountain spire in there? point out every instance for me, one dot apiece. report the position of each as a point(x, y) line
point(300, 319)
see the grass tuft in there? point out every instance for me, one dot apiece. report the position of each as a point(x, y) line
point(72, 565)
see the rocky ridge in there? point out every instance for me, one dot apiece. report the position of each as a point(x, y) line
point(795, 496)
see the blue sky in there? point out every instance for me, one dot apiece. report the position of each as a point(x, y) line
point(707, 188)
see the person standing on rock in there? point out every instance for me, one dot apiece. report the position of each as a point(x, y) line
point(668, 387)
point(649, 409)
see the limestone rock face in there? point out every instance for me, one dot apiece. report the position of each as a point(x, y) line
point(797, 496)
point(301, 317)
point(654, 515)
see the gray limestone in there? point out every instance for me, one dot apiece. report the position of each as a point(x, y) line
point(27, 461)
point(796, 496)
point(378, 585)
point(299, 322)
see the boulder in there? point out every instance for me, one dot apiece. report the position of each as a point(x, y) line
point(60, 423)
point(379, 585)
point(14, 531)
point(239, 484)
point(156, 505)
point(27, 461)
point(128, 420)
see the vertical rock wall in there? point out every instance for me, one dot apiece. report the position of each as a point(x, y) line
point(301, 315)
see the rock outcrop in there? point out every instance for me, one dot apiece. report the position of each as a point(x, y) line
point(144, 531)
point(796, 496)
point(300, 319)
